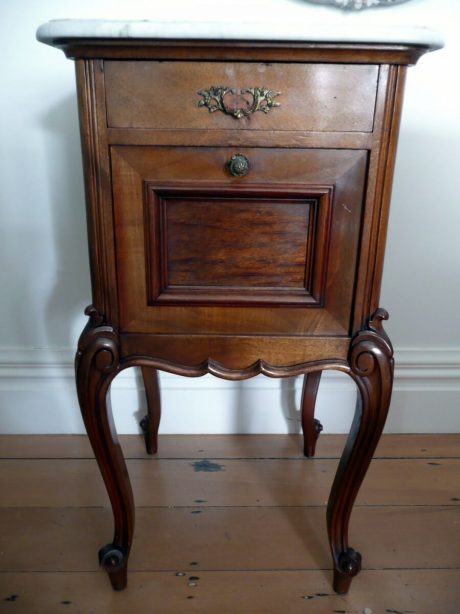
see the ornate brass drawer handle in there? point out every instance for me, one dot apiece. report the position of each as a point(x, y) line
point(238, 165)
point(262, 99)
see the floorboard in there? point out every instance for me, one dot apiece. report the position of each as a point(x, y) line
point(238, 482)
point(262, 592)
point(227, 538)
point(229, 446)
point(245, 515)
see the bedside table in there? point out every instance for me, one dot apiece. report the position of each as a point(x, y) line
point(237, 201)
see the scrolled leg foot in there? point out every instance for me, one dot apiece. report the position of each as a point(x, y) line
point(144, 424)
point(349, 565)
point(114, 560)
point(371, 366)
point(96, 364)
point(318, 427)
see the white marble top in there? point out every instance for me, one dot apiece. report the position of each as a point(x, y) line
point(60, 30)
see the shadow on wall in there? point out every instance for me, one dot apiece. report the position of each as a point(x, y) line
point(422, 250)
point(240, 407)
point(72, 289)
point(248, 410)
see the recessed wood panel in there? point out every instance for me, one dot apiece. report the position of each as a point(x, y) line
point(251, 243)
point(164, 95)
point(214, 245)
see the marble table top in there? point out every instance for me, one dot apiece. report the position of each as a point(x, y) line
point(62, 30)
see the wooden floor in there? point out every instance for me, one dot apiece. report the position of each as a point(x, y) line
point(229, 525)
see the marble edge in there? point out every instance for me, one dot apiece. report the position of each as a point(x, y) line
point(60, 31)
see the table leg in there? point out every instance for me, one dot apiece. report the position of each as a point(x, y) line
point(371, 362)
point(151, 422)
point(96, 364)
point(310, 426)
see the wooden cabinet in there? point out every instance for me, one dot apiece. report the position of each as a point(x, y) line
point(237, 198)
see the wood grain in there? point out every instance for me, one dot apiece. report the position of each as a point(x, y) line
point(282, 172)
point(322, 97)
point(262, 592)
point(29, 483)
point(235, 138)
point(289, 51)
point(235, 352)
point(227, 538)
point(223, 245)
point(96, 169)
point(400, 446)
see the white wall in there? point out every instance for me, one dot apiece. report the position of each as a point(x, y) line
point(44, 279)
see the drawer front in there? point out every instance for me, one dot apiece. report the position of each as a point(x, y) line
point(211, 95)
point(200, 251)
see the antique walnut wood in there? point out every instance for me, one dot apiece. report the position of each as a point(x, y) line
point(151, 422)
point(237, 203)
point(311, 427)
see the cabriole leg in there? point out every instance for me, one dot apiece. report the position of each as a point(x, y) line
point(96, 364)
point(151, 422)
point(310, 426)
point(371, 362)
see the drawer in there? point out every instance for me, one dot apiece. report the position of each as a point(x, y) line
point(312, 97)
point(200, 251)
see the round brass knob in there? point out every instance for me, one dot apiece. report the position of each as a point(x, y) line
point(238, 165)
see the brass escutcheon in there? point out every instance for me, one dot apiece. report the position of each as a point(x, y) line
point(262, 99)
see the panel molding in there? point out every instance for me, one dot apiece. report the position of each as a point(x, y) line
point(157, 196)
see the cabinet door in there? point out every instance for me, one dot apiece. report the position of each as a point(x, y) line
point(200, 251)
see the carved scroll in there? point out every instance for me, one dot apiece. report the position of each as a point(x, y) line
point(96, 364)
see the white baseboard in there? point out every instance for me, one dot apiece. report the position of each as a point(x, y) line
point(37, 395)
